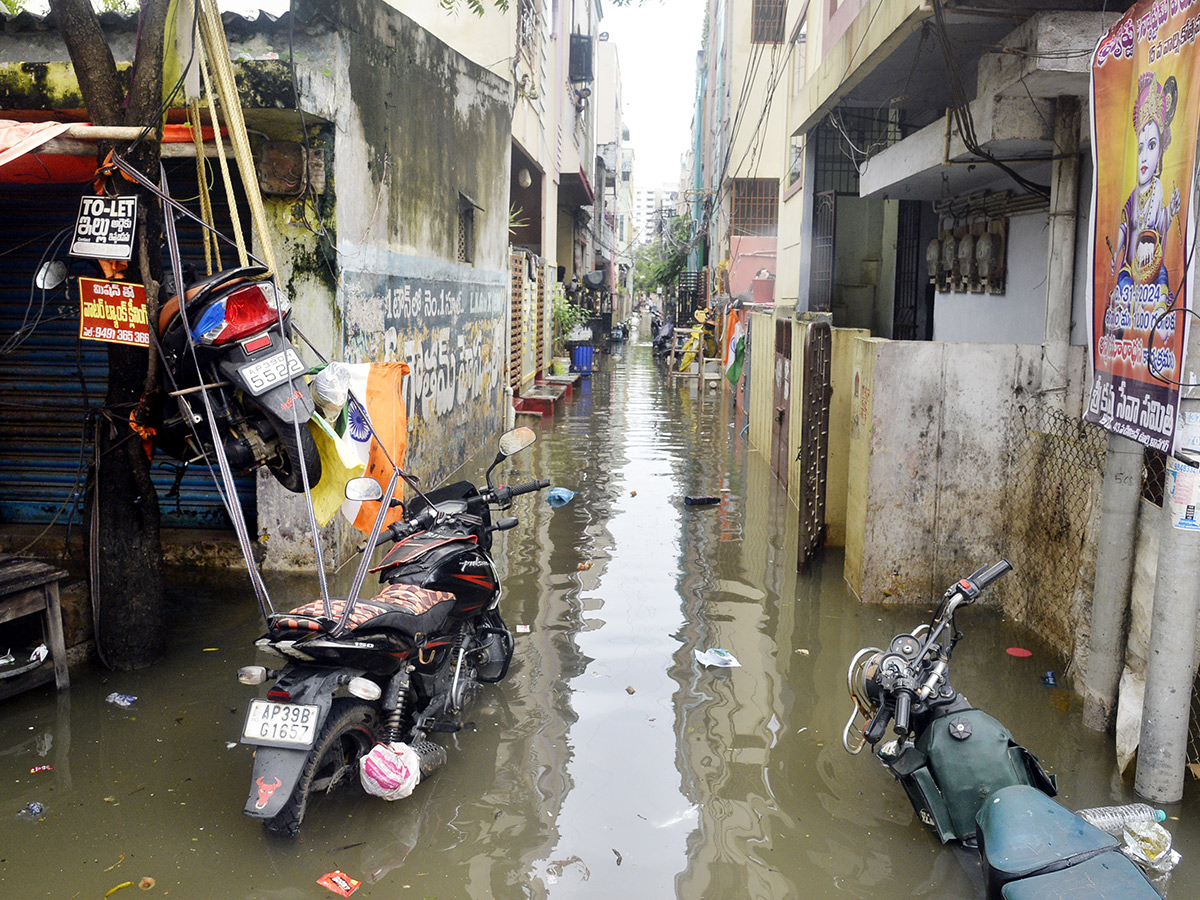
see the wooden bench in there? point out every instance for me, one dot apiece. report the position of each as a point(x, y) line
point(27, 588)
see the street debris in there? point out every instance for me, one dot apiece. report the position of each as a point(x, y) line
point(1020, 652)
point(117, 863)
point(32, 811)
point(701, 501)
point(37, 769)
point(522, 629)
point(123, 700)
point(802, 651)
point(391, 771)
point(618, 855)
point(633, 493)
point(113, 890)
point(1049, 680)
point(629, 689)
point(146, 883)
point(584, 566)
point(714, 656)
point(339, 882)
point(559, 496)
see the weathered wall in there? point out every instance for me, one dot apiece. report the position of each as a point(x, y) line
point(932, 429)
point(417, 128)
point(762, 374)
point(1019, 314)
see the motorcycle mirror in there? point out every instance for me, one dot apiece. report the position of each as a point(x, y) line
point(50, 275)
point(515, 441)
point(363, 489)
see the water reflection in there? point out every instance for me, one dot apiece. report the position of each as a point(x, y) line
point(610, 762)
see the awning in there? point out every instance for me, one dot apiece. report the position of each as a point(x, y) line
point(27, 155)
point(575, 189)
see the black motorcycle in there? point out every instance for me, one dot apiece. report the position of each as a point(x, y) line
point(396, 668)
point(239, 349)
point(971, 782)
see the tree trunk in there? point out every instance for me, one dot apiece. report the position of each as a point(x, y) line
point(131, 620)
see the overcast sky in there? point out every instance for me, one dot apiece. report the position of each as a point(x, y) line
point(657, 43)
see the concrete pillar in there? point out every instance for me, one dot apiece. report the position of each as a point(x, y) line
point(1170, 668)
point(1060, 275)
point(1162, 749)
point(1114, 576)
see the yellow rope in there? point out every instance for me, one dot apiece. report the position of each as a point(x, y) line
point(213, 33)
point(206, 212)
point(234, 215)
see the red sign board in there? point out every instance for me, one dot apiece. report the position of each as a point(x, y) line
point(113, 311)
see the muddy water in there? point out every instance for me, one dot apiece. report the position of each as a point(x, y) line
point(609, 764)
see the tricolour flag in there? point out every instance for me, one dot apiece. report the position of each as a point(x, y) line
point(735, 347)
point(339, 463)
point(377, 386)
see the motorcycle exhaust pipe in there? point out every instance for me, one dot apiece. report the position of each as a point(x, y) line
point(431, 755)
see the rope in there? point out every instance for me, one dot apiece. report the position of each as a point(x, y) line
point(234, 216)
point(213, 32)
point(206, 211)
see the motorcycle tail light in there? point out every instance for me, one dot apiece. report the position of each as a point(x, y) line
point(252, 674)
point(279, 694)
point(245, 311)
point(364, 689)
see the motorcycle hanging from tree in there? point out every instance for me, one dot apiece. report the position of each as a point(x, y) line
point(230, 338)
point(365, 682)
point(970, 782)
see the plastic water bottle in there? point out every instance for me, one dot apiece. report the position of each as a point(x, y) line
point(1114, 819)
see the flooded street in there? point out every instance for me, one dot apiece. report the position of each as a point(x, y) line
point(610, 764)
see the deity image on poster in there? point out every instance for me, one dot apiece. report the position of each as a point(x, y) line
point(1145, 220)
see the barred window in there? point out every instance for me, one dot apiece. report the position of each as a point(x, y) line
point(755, 207)
point(466, 233)
point(766, 23)
point(528, 28)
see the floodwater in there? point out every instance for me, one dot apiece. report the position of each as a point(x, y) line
point(610, 763)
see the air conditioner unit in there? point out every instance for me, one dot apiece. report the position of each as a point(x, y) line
point(580, 65)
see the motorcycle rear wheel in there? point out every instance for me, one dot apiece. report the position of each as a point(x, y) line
point(349, 732)
point(285, 464)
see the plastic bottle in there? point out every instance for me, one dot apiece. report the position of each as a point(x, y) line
point(1113, 819)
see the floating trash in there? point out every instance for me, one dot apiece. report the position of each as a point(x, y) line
point(123, 700)
point(32, 811)
point(701, 501)
point(559, 496)
point(1049, 680)
point(714, 656)
point(1019, 652)
point(339, 882)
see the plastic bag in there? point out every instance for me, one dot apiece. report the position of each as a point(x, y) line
point(1149, 845)
point(390, 771)
point(331, 389)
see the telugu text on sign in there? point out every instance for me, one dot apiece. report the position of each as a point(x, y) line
point(113, 311)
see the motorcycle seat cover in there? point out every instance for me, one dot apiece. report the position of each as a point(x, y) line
point(1109, 876)
point(400, 607)
point(1024, 833)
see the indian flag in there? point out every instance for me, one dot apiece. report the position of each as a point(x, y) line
point(377, 387)
point(735, 347)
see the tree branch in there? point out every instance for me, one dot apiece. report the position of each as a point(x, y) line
point(92, 58)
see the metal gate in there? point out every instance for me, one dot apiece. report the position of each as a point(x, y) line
point(540, 365)
point(820, 284)
point(910, 287)
point(781, 416)
point(49, 379)
point(814, 438)
point(517, 277)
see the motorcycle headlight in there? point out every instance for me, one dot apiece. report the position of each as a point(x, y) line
point(862, 669)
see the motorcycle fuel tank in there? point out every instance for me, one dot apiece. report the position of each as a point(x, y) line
point(444, 562)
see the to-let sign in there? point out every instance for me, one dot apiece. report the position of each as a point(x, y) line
point(113, 311)
point(104, 227)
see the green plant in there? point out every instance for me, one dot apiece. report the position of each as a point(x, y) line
point(516, 220)
point(565, 317)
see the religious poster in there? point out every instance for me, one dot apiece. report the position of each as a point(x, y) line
point(1145, 94)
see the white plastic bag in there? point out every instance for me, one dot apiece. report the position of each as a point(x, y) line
point(390, 771)
point(331, 389)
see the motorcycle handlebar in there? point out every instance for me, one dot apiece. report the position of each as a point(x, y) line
point(986, 575)
point(903, 713)
point(528, 487)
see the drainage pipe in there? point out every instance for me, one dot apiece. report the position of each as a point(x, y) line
point(1114, 576)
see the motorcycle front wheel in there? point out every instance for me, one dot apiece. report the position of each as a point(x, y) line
point(285, 464)
point(348, 734)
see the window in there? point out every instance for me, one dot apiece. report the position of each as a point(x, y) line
point(528, 29)
point(766, 22)
point(466, 232)
point(755, 207)
point(796, 160)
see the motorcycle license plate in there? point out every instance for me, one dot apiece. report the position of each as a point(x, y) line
point(266, 373)
point(270, 724)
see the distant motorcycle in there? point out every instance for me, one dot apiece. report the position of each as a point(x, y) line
point(971, 782)
point(240, 330)
point(388, 671)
